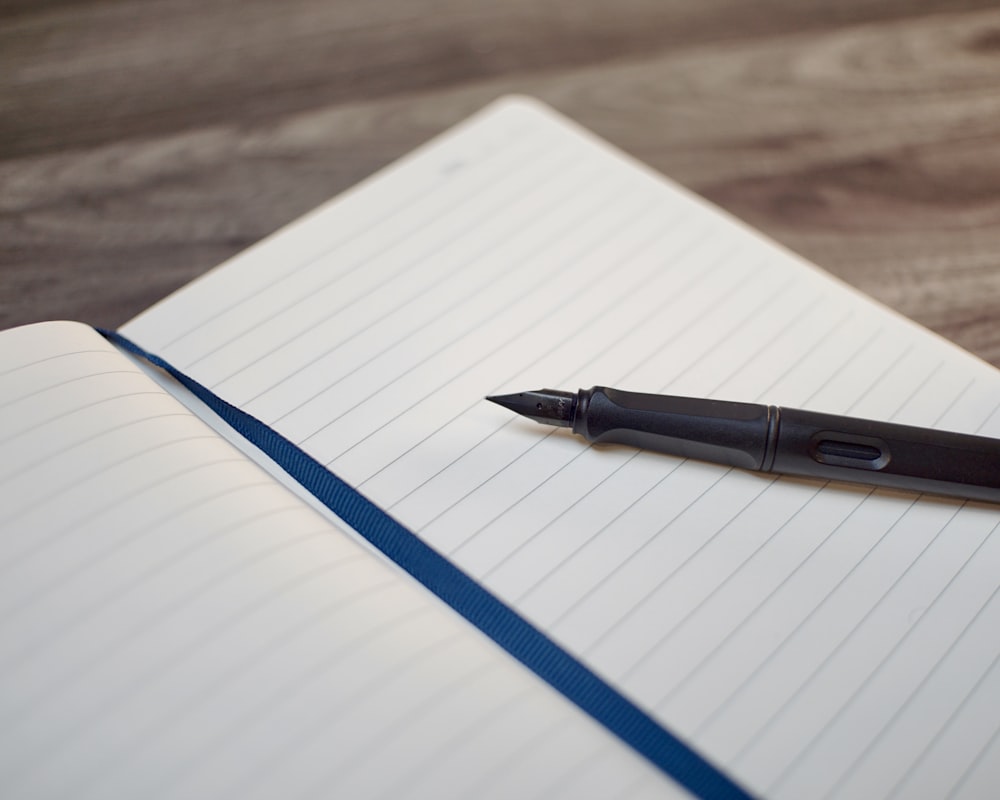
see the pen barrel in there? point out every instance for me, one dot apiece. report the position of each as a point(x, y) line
point(710, 430)
point(884, 454)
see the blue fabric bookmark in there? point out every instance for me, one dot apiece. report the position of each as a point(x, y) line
point(498, 621)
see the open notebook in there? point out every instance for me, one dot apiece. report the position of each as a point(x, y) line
point(174, 621)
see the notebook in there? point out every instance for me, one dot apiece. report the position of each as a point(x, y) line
point(179, 618)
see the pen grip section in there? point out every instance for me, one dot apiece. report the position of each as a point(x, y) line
point(885, 454)
point(710, 430)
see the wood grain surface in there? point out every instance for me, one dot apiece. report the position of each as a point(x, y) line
point(143, 142)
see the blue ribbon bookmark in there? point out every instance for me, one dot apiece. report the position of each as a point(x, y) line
point(498, 621)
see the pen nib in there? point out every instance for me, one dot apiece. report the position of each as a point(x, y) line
point(547, 406)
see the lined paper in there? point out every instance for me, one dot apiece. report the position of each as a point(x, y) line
point(815, 640)
point(175, 623)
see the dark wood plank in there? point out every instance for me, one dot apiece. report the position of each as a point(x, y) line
point(866, 139)
point(85, 73)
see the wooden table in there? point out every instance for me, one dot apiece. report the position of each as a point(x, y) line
point(143, 142)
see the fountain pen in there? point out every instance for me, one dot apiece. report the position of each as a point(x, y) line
point(770, 438)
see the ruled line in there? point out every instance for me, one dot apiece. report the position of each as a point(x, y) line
point(611, 343)
point(935, 667)
point(720, 710)
point(660, 644)
point(56, 357)
point(501, 274)
point(75, 674)
point(881, 666)
point(981, 753)
point(768, 300)
point(896, 715)
point(521, 546)
point(811, 742)
point(62, 383)
point(95, 558)
point(556, 787)
point(550, 276)
point(584, 448)
point(54, 536)
point(511, 554)
point(309, 731)
point(322, 617)
point(802, 688)
point(652, 590)
point(69, 413)
point(479, 729)
point(402, 725)
point(869, 341)
point(657, 645)
point(146, 739)
point(584, 542)
point(401, 207)
point(593, 357)
point(764, 601)
point(518, 192)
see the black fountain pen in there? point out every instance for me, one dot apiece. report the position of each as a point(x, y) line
point(773, 439)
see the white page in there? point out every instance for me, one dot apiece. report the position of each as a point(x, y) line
point(174, 623)
point(780, 625)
